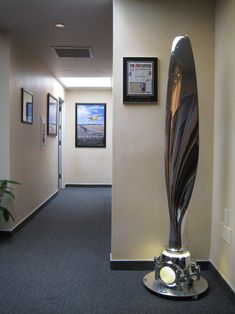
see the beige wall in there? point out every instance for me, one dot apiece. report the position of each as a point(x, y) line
point(87, 165)
point(139, 211)
point(4, 105)
point(36, 169)
point(222, 254)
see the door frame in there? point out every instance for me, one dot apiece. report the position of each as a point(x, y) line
point(61, 143)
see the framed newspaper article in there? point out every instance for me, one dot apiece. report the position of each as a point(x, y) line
point(139, 80)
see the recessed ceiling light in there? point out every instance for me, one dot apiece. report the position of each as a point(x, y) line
point(87, 82)
point(99, 71)
point(59, 25)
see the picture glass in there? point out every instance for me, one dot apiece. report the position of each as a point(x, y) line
point(140, 80)
point(52, 115)
point(27, 107)
point(90, 125)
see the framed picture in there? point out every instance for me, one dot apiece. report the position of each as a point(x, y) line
point(90, 125)
point(51, 115)
point(42, 132)
point(27, 107)
point(139, 80)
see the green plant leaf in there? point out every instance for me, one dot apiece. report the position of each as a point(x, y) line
point(6, 213)
point(7, 193)
point(6, 188)
point(5, 182)
point(13, 182)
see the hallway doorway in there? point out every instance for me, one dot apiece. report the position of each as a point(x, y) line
point(60, 143)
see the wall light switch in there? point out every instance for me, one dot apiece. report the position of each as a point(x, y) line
point(226, 233)
point(226, 216)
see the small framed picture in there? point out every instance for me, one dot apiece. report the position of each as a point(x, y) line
point(27, 107)
point(90, 125)
point(51, 115)
point(139, 80)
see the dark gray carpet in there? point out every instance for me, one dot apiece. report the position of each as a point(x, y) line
point(59, 263)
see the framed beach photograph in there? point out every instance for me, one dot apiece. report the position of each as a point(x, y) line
point(51, 115)
point(139, 80)
point(90, 125)
point(27, 107)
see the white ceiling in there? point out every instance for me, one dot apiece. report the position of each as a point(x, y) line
point(88, 23)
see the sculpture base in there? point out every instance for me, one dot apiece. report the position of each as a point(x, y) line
point(193, 291)
point(176, 274)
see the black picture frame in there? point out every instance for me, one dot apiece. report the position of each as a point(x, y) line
point(90, 125)
point(52, 104)
point(26, 107)
point(140, 80)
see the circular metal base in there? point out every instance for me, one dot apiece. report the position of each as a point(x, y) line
point(198, 287)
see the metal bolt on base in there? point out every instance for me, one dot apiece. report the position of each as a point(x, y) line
point(176, 275)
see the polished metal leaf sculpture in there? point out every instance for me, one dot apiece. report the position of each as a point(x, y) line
point(176, 274)
point(181, 135)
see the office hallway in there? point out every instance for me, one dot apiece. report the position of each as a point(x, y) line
point(59, 263)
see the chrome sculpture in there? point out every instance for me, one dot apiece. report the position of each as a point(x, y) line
point(176, 274)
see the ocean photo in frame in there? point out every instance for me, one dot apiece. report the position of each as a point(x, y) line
point(51, 115)
point(27, 107)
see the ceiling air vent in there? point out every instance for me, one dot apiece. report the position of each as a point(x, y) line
point(73, 52)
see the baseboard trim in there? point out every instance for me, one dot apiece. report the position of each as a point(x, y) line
point(131, 265)
point(145, 265)
point(223, 278)
point(223, 282)
point(10, 233)
point(6, 234)
point(88, 185)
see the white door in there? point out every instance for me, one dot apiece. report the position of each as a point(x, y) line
point(60, 143)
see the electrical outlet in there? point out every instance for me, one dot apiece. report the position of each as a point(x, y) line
point(226, 216)
point(226, 233)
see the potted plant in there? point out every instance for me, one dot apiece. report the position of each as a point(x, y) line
point(6, 193)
